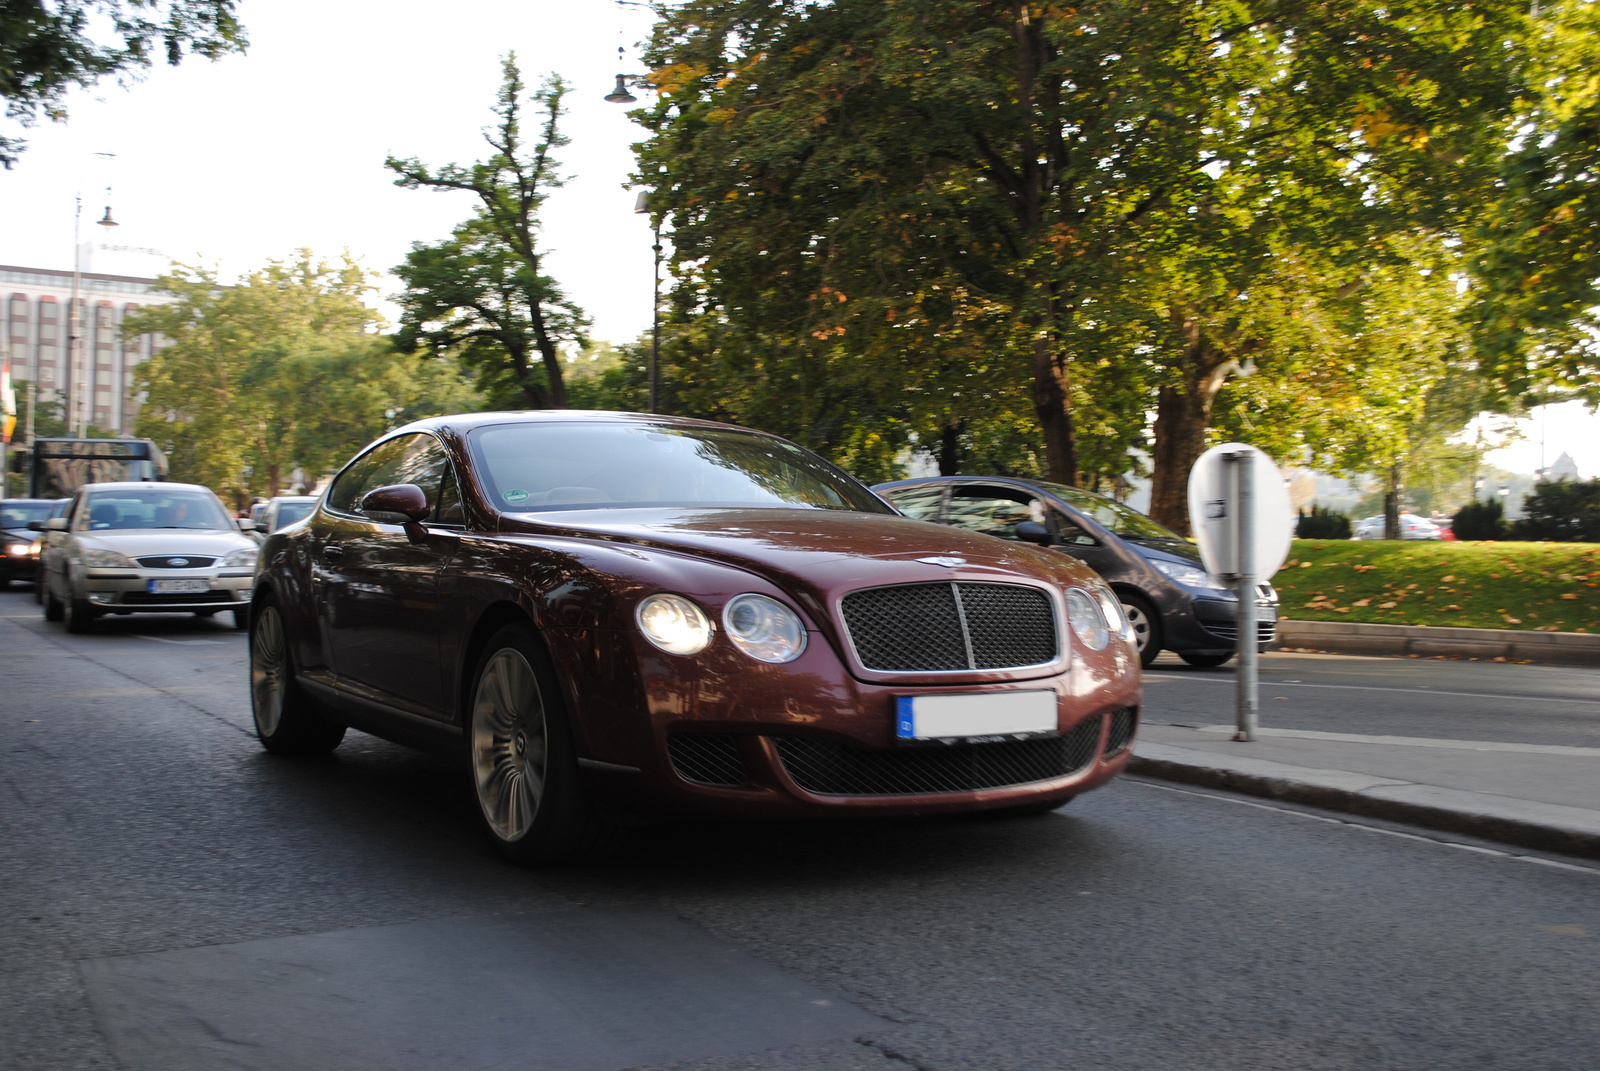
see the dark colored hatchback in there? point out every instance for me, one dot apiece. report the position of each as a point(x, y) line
point(1170, 600)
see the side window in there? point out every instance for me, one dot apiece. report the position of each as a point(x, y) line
point(448, 509)
point(921, 503)
point(994, 511)
point(1069, 532)
point(415, 459)
point(365, 473)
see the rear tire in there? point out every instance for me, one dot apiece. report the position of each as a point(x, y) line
point(241, 620)
point(287, 721)
point(1146, 627)
point(80, 616)
point(521, 762)
point(1204, 661)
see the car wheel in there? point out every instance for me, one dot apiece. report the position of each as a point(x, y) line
point(1146, 627)
point(287, 721)
point(241, 619)
point(80, 616)
point(1204, 661)
point(521, 759)
point(53, 610)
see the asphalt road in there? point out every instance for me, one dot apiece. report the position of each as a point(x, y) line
point(167, 889)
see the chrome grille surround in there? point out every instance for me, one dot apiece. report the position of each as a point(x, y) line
point(961, 626)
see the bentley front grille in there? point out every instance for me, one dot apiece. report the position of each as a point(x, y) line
point(940, 627)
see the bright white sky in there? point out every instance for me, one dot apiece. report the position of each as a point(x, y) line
point(246, 159)
point(249, 158)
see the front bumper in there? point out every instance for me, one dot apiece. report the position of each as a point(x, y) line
point(1210, 625)
point(123, 591)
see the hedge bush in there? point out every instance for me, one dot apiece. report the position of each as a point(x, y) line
point(1322, 523)
point(1561, 511)
point(1480, 520)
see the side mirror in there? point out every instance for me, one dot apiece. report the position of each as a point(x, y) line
point(35, 526)
point(56, 524)
point(1033, 532)
point(246, 524)
point(401, 503)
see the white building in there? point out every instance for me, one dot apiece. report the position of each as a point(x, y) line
point(34, 325)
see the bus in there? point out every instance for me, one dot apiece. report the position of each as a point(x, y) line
point(59, 467)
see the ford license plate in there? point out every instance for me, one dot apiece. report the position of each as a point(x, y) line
point(179, 587)
point(941, 717)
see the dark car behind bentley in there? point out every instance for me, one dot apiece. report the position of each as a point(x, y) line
point(613, 617)
point(1166, 593)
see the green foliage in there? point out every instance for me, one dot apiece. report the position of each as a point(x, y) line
point(46, 49)
point(278, 371)
point(482, 294)
point(1564, 511)
point(1480, 521)
point(1551, 587)
point(1322, 523)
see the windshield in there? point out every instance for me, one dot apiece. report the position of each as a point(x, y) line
point(18, 514)
point(289, 512)
point(110, 510)
point(528, 468)
point(1112, 515)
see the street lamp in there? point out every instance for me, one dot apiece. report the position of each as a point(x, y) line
point(620, 95)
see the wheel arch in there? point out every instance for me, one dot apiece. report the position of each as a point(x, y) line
point(495, 616)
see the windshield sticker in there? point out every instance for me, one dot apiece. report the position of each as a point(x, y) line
point(516, 494)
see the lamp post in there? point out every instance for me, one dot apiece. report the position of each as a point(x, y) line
point(620, 95)
point(80, 393)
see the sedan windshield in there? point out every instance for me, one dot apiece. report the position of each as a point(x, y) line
point(564, 466)
point(18, 514)
point(111, 510)
point(1113, 516)
point(289, 512)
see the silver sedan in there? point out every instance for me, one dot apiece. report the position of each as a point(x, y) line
point(126, 548)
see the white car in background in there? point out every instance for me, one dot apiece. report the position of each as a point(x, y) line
point(1411, 527)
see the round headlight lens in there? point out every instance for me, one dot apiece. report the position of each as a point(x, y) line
point(674, 624)
point(1087, 620)
point(764, 628)
point(243, 556)
point(107, 559)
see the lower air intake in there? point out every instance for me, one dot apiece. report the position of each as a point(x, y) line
point(707, 759)
point(1123, 723)
point(831, 768)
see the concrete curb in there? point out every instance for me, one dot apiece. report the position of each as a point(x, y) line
point(1543, 826)
point(1513, 645)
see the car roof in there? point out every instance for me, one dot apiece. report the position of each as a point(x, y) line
point(145, 485)
point(462, 423)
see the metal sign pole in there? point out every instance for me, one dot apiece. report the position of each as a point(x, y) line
point(1247, 704)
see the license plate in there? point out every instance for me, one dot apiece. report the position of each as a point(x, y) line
point(179, 587)
point(937, 717)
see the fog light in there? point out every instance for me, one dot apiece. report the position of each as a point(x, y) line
point(101, 596)
point(244, 596)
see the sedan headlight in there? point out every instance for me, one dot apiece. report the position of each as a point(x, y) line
point(1083, 610)
point(674, 624)
point(242, 557)
point(107, 559)
point(16, 550)
point(1190, 576)
point(764, 628)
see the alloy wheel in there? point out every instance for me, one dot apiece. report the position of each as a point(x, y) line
point(1139, 623)
point(268, 671)
point(509, 746)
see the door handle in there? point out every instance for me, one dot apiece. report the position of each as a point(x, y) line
point(332, 552)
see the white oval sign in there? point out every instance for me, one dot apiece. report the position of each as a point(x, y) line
point(1213, 511)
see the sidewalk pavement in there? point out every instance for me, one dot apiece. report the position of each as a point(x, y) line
point(1534, 795)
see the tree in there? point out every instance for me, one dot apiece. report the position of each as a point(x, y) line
point(279, 370)
point(47, 49)
point(482, 293)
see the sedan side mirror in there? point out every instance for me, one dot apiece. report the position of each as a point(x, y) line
point(1033, 532)
point(56, 524)
point(401, 503)
point(35, 526)
point(246, 524)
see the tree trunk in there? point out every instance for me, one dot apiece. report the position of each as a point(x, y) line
point(950, 449)
point(1183, 413)
point(274, 480)
point(1391, 505)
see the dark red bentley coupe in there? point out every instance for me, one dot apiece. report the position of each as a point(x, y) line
point(611, 616)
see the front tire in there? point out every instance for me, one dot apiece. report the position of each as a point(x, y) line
point(80, 616)
point(241, 620)
point(1146, 627)
point(1204, 661)
point(521, 760)
point(53, 610)
point(287, 722)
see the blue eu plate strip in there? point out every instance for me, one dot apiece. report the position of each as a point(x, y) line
point(905, 722)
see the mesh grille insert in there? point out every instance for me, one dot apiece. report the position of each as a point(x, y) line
point(151, 598)
point(707, 759)
point(1123, 723)
point(1265, 630)
point(831, 768)
point(941, 627)
point(171, 561)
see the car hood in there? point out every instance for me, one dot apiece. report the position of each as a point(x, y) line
point(810, 551)
point(22, 535)
point(1186, 553)
point(136, 542)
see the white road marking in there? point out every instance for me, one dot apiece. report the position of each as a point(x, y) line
point(1373, 688)
point(1416, 741)
point(1369, 829)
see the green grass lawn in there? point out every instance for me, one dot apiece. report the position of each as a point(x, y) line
point(1550, 587)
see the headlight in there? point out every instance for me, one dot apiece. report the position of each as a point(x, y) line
point(244, 556)
point(1087, 620)
point(16, 550)
point(764, 628)
point(107, 559)
point(1115, 621)
point(1190, 576)
point(674, 624)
